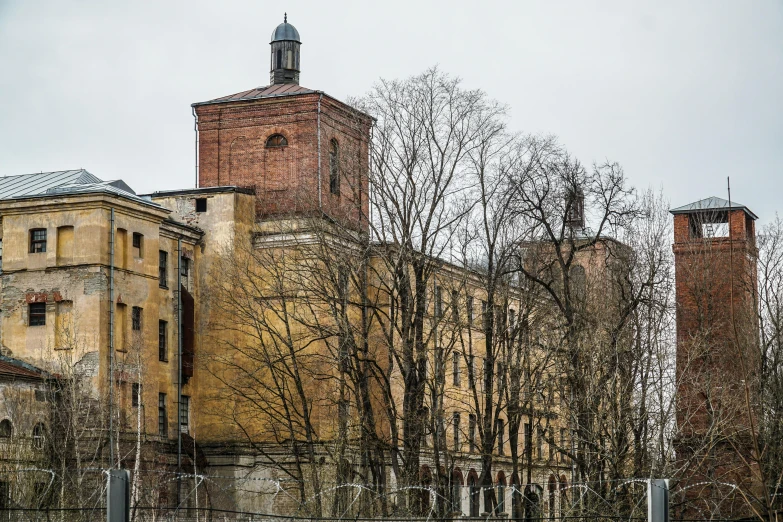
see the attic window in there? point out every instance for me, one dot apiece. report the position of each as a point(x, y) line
point(201, 204)
point(276, 140)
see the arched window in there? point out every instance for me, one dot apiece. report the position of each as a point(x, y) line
point(334, 167)
point(456, 489)
point(39, 436)
point(473, 492)
point(276, 140)
point(501, 492)
point(6, 429)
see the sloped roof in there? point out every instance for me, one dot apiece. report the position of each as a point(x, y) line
point(712, 203)
point(39, 182)
point(62, 182)
point(270, 91)
point(14, 368)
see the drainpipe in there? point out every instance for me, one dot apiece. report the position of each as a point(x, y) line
point(320, 203)
point(195, 128)
point(111, 339)
point(179, 369)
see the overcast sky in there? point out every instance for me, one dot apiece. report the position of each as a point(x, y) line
point(682, 94)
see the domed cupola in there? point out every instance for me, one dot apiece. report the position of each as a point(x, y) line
point(285, 54)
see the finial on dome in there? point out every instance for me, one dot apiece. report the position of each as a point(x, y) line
point(285, 18)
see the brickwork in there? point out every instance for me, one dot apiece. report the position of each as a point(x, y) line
point(233, 151)
point(715, 291)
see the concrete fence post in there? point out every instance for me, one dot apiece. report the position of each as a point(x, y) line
point(658, 500)
point(118, 496)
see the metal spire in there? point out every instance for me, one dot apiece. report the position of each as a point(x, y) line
point(285, 18)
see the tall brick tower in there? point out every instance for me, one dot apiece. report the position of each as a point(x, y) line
point(302, 151)
point(715, 268)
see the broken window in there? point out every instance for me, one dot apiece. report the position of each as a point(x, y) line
point(37, 314)
point(136, 318)
point(37, 240)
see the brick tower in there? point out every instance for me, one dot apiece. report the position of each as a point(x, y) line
point(715, 269)
point(302, 151)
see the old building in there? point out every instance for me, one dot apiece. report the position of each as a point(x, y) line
point(124, 292)
point(717, 359)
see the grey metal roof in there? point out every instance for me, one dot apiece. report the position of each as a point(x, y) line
point(269, 91)
point(38, 183)
point(712, 203)
point(285, 31)
point(64, 182)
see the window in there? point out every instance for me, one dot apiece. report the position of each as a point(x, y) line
point(276, 140)
point(201, 204)
point(471, 369)
point(455, 306)
point(6, 429)
point(39, 436)
point(135, 392)
point(184, 267)
point(40, 396)
point(499, 430)
point(163, 354)
point(438, 302)
point(469, 307)
point(37, 314)
point(136, 318)
point(455, 424)
point(455, 367)
point(5, 494)
point(334, 167)
point(163, 265)
point(528, 437)
point(138, 244)
point(163, 421)
point(539, 444)
point(184, 413)
point(37, 240)
point(1, 253)
point(472, 432)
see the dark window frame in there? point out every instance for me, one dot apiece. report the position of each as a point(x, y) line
point(136, 318)
point(276, 141)
point(163, 420)
point(38, 240)
point(184, 413)
point(36, 314)
point(163, 342)
point(334, 167)
point(137, 242)
point(163, 269)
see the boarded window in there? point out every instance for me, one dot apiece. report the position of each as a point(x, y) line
point(63, 328)
point(64, 245)
point(120, 327)
point(37, 314)
point(37, 240)
point(121, 248)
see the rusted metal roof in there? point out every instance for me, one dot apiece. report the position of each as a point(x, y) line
point(14, 368)
point(270, 91)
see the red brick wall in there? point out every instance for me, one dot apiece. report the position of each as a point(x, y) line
point(232, 151)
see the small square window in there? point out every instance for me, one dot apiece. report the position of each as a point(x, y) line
point(37, 240)
point(201, 204)
point(37, 314)
point(136, 318)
